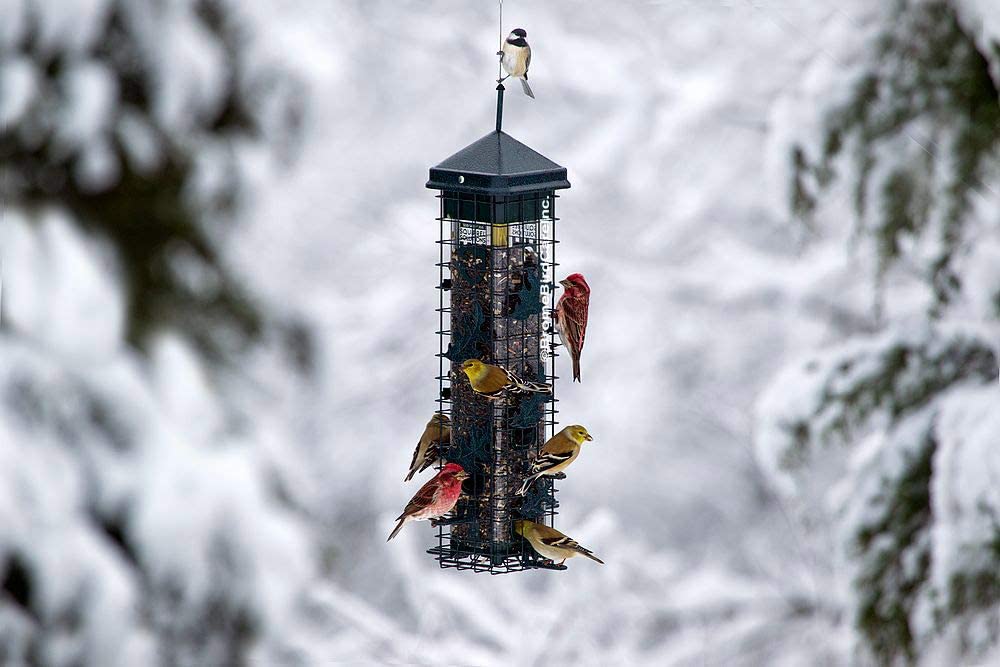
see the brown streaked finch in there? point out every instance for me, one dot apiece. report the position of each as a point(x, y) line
point(434, 499)
point(494, 381)
point(556, 454)
point(571, 317)
point(550, 543)
point(437, 432)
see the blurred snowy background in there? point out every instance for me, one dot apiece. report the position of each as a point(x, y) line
point(217, 341)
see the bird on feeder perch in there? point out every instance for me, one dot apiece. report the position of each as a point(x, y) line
point(436, 433)
point(493, 381)
point(557, 454)
point(434, 499)
point(515, 57)
point(571, 317)
point(550, 543)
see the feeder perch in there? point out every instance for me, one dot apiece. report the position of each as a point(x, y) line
point(497, 291)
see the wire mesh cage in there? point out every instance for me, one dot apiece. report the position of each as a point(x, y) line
point(497, 265)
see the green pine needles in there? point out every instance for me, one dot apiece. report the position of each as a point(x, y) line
point(922, 129)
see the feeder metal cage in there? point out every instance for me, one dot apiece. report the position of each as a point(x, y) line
point(497, 265)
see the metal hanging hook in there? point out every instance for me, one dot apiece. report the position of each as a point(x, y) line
point(500, 52)
point(500, 76)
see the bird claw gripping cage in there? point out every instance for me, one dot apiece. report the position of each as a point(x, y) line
point(497, 292)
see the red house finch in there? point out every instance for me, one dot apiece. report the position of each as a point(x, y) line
point(435, 498)
point(571, 317)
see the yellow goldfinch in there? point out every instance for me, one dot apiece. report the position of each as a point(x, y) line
point(493, 381)
point(556, 455)
point(437, 432)
point(550, 543)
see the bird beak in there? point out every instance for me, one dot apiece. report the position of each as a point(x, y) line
point(564, 283)
point(588, 437)
point(462, 475)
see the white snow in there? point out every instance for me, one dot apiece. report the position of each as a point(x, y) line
point(966, 491)
point(18, 87)
point(67, 25)
point(187, 62)
point(141, 145)
point(981, 19)
point(91, 94)
point(97, 168)
point(12, 28)
point(60, 288)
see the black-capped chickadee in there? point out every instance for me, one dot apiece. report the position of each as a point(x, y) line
point(516, 58)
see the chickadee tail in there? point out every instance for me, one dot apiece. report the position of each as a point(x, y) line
point(526, 485)
point(399, 527)
point(590, 555)
point(527, 88)
point(576, 368)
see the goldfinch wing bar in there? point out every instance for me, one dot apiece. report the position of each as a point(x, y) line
point(550, 460)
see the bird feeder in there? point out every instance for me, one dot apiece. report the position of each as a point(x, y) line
point(497, 291)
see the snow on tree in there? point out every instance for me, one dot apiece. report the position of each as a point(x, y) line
point(922, 128)
point(134, 517)
point(889, 439)
point(135, 119)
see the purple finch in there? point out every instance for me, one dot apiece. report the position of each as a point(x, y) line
point(571, 317)
point(435, 498)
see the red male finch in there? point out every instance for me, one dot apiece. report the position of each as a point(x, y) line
point(571, 317)
point(435, 498)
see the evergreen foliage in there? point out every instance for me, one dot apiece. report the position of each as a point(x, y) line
point(898, 418)
point(156, 179)
point(928, 88)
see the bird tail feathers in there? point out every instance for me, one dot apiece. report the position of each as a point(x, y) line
point(426, 465)
point(518, 386)
point(399, 527)
point(576, 368)
point(430, 458)
point(589, 554)
point(526, 485)
point(527, 88)
point(529, 387)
